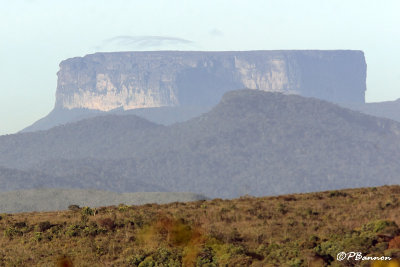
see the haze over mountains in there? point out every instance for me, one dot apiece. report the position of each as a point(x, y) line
point(173, 86)
point(147, 122)
point(60, 199)
point(166, 87)
point(386, 109)
point(129, 80)
point(252, 142)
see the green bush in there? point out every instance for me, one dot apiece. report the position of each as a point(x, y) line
point(11, 232)
point(148, 262)
point(364, 240)
point(296, 263)
point(38, 236)
point(87, 211)
point(206, 258)
point(73, 230)
point(43, 226)
point(74, 207)
point(337, 194)
point(135, 260)
point(92, 230)
point(123, 208)
point(381, 226)
point(282, 208)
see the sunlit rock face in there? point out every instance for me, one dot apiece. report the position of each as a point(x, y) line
point(129, 80)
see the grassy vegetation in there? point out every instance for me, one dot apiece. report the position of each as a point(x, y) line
point(289, 230)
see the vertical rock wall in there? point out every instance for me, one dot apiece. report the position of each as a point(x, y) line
point(129, 80)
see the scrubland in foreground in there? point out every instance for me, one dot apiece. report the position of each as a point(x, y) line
point(289, 230)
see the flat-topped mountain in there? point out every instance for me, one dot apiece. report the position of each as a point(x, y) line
point(252, 142)
point(190, 83)
point(105, 81)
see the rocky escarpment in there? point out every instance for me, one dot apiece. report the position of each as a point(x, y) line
point(130, 80)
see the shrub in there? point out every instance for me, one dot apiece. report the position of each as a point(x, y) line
point(337, 194)
point(87, 211)
point(64, 261)
point(84, 219)
point(43, 226)
point(92, 230)
point(56, 229)
point(107, 223)
point(282, 208)
point(74, 207)
point(382, 227)
point(135, 260)
point(234, 236)
point(296, 263)
point(148, 262)
point(73, 230)
point(11, 232)
point(180, 234)
point(38, 236)
point(166, 257)
point(20, 224)
point(363, 240)
point(395, 243)
point(138, 220)
point(123, 208)
point(206, 258)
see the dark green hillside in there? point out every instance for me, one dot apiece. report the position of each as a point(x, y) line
point(268, 143)
point(79, 174)
point(115, 175)
point(102, 136)
point(252, 142)
point(12, 179)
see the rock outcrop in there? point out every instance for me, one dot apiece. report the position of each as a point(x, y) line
point(130, 80)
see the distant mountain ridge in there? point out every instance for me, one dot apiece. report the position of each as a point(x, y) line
point(160, 115)
point(385, 109)
point(171, 115)
point(50, 199)
point(252, 142)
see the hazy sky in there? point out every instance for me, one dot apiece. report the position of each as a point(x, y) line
point(35, 35)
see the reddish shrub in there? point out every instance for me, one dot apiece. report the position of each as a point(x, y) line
point(107, 223)
point(395, 243)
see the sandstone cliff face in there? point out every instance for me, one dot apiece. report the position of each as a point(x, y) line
point(105, 81)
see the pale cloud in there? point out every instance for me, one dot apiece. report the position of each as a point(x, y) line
point(216, 32)
point(146, 41)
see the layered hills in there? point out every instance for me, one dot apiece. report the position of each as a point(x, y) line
point(252, 142)
point(159, 115)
